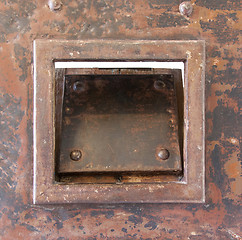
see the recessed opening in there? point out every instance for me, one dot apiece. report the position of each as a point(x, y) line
point(119, 122)
point(129, 182)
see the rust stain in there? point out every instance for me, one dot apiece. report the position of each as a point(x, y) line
point(217, 22)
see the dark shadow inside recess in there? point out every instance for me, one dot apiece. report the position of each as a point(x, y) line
point(112, 125)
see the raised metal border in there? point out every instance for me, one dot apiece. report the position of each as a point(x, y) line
point(192, 186)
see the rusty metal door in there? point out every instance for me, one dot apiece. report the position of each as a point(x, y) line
point(216, 22)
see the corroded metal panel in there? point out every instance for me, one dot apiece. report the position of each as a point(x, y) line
point(217, 22)
point(119, 123)
point(190, 188)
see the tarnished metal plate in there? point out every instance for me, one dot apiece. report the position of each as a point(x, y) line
point(119, 123)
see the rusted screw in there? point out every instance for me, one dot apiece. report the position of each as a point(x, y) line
point(163, 154)
point(186, 8)
point(78, 86)
point(68, 110)
point(54, 5)
point(159, 84)
point(119, 180)
point(76, 155)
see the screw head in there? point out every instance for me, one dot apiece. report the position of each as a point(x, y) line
point(119, 180)
point(54, 5)
point(186, 8)
point(163, 154)
point(76, 155)
point(68, 110)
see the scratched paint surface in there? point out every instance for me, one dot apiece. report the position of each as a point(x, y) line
point(217, 22)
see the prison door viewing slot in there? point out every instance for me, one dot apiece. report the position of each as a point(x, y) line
point(115, 121)
point(119, 125)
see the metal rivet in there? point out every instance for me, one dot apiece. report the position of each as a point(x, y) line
point(54, 5)
point(163, 154)
point(119, 180)
point(159, 84)
point(67, 121)
point(186, 8)
point(78, 86)
point(76, 155)
point(68, 110)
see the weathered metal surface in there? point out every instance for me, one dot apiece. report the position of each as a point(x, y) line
point(188, 189)
point(119, 122)
point(215, 21)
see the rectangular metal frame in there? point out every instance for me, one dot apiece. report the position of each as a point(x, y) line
point(190, 189)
